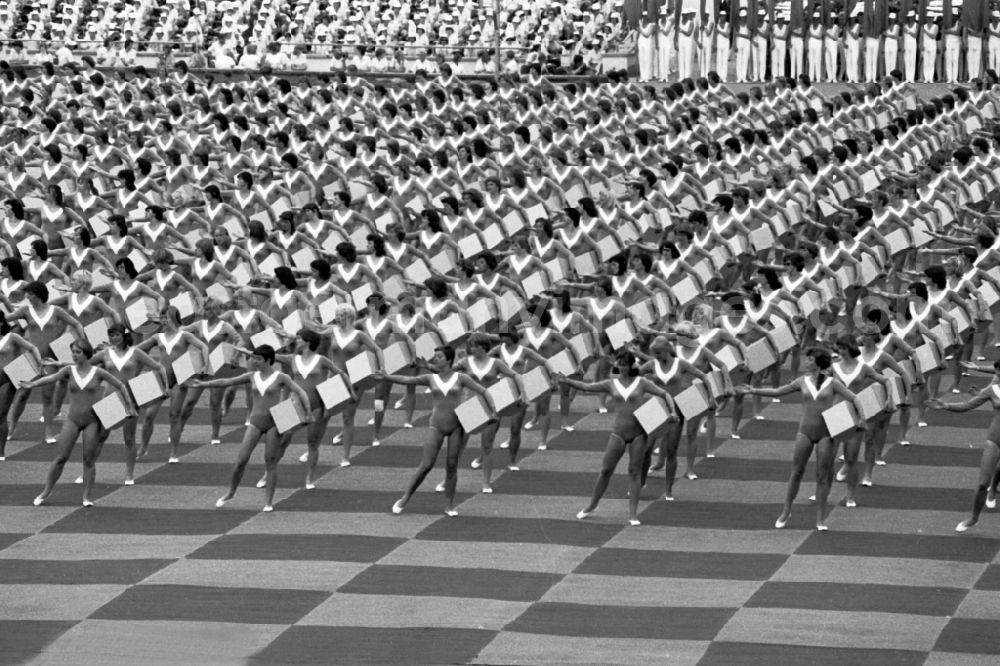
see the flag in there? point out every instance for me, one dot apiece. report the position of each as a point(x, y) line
point(975, 15)
point(848, 10)
point(905, 7)
point(651, 9)
point(876, 18)
point(922, 6)
point(797, 18)
point(753, 20)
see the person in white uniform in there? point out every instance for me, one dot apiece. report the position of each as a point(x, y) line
point(872, 45)
point(816, 35)
point(743, 44)
point(852, 50)
point(973, 53)
point(831, 48)
point(665, 44)
point(707, 40)
point(645, 44)
point(797, 44)
point(685, 46)
point(928, 49)
point(993, 45)
point(911, 41)
point(722, 35)
point(761, 35)
point(890, 44)
point(952, 50)
point(779, 46)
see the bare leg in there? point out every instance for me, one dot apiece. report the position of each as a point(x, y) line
point(6, 398)
point(64, 447)
point(904, 420)
point(215, 397)
point(803, 449)
point(181, 408)
point(963, 353)
point(636, 456)
point(275, 445)
point(410, 403)
point(17, 409)
point(456, 443)
point(49, 412)
point(737, 414)
point(710, 425)
point(250, 439)
point(228, 400)
point(93, 442)
point(148, 423)
point(981, 339)
point(59, 396)
point(647, 461)
point(692, 447)
point(602, 372)
point(658, 447)
point(381, 401)
point(987, 468)
point(314, 437)
point(924, 391)
point(566, 395)
point(852, 446)
point(825, 452)
point(991, 494)
point(249, 400)
point(432, 446)
point(128, 440)
point(487, 438)
point(544, 419)
point(874, 446)
point(615, 449)
point(514, 444)
point(348, 433)
point(668, 451)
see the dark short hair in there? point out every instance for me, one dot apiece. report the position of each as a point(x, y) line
point(266, 352)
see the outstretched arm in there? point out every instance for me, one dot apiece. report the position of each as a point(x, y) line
point(791, 387)
point(419, 380)
point(47, 379)
point(223, 383)
point(980, 398)
point(586, 387)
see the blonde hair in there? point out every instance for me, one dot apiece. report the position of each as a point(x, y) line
point(701, 316)
point(83, 277)
point(243, 294)
point(345, 312)
point(212, 305)
point(686, 329)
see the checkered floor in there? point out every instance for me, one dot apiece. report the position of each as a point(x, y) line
point(155, 575)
